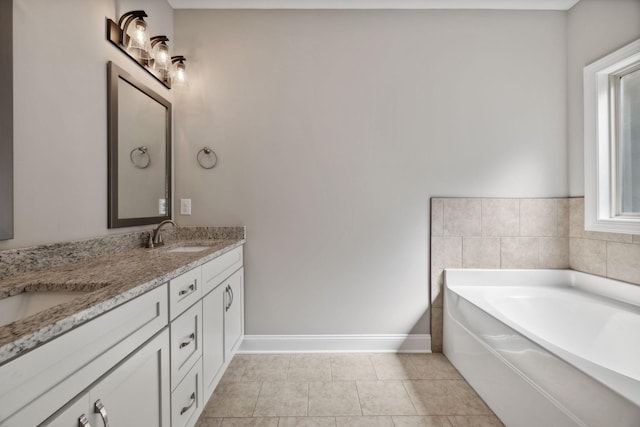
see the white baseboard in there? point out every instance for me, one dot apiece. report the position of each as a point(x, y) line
point(397, 343)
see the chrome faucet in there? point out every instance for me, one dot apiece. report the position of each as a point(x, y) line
point(156, 236)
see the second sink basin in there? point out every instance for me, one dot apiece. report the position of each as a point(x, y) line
point(27, 303)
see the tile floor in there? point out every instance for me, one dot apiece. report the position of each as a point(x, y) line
point(344, 390)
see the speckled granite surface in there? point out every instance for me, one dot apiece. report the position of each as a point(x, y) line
point(117, 276)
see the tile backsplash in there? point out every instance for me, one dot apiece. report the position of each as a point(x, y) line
point(521, 233)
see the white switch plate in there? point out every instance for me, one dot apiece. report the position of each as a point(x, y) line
point(185, 206)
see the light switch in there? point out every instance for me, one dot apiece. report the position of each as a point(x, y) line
point(185, 206)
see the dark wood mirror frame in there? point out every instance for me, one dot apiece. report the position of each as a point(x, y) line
point(6, 120)
point(114, 74)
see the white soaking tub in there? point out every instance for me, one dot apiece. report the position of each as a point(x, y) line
point(546, 347)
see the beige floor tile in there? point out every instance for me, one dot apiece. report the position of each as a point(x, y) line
point(250, 422)
point(364, 422)
point(309, 367)
point(384, 398)
point(476, 421)
point(282, 399)
point(392, 366)
point(445, 397)
point(333, 399)
point(433, 366)
point(352, 367)
point(307, 422)
point(233, 400)
point(209, 422)
point(268, 367)
point(421, 421)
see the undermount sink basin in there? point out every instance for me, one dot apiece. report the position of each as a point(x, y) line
point(187, 249)
point(27, 303)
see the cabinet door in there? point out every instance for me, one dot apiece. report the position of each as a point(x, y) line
point(137, 391)
point(212, 337)
point(234, 313)
point(76, 414)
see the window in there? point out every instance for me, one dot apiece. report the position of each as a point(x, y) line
point(612, 142)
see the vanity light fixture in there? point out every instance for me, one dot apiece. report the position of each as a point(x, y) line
point(179, 71)
point(131, 35)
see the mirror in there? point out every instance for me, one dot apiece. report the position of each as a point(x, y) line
point(139, 160)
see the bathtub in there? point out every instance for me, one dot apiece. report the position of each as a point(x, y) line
point(546, 347)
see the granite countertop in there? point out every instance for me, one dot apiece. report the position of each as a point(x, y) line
point(108, 281)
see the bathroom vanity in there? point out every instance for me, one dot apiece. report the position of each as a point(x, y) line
point(145, 345)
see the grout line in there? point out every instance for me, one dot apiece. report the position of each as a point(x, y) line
point(359, 401)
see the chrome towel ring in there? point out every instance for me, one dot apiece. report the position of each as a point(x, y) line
point(207, 158)
point(140, 157)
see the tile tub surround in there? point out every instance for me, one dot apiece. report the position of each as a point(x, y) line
point(352, 390)
point(494, 233)
point(111, 279)
point(521, 233)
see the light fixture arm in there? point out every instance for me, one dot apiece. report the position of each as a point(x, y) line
point(158, 39)
point(126, 20)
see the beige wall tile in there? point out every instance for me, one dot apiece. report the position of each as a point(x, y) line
point(576, 217)
point(538, 217)
point(384, 398)
point(437, 213)
point(462, 217)
point(481, 252)
point(554, 252)
point(500, 217)
point(589, 256)
point(446, 252)
point(519, 252)
point(436, 329)
point(563, 217)
point(623, 262)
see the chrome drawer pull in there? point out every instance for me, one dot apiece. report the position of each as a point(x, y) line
point(193, 400)
point(188, 341)
point(191, 288)
point(83, 421)
point(100, 409)
point(228, 304)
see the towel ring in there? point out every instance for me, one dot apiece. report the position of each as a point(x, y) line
point(143, 153)
point(207, 158)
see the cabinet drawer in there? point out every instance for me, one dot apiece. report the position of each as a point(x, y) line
point(218, 269)
point(186, 399)
point(184, 291)
point(51, 375)
point(186, 342)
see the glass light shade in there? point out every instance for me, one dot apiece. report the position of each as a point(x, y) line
point(179, 75)
point(139, 45)
point(161, 57)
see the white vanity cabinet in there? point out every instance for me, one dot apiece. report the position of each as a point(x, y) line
point(222, 315)
point(131, 394)
point(41, 382)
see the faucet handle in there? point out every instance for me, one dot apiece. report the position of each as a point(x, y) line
point(150, 240)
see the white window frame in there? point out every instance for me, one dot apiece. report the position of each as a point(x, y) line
point(601, 196)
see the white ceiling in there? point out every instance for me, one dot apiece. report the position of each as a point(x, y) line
point(375, 4)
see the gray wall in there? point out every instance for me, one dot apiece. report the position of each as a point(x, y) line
point(60, 113)
point(333, 130)
point(595, 28)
